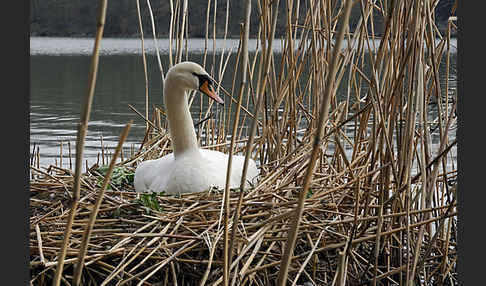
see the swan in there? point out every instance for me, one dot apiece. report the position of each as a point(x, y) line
point(188, 169)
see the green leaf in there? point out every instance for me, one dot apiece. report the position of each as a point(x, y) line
point(150, 202)
point(309, 193)
point(121, 175)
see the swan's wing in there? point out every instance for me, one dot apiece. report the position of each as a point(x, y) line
point(219, 164)
point(143, 174)
point(152, 175)
point(251, 173)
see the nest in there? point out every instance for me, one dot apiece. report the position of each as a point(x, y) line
point(155, 239)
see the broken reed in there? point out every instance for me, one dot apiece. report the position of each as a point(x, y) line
point(380, 207)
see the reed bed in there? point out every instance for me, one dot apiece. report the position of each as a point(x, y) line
point(379, 202)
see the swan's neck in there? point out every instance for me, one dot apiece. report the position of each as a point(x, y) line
point(181, 126)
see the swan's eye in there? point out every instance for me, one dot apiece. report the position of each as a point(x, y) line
point(203, 78)
point(206, 87)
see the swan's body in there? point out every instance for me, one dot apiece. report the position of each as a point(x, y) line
point(188, 169)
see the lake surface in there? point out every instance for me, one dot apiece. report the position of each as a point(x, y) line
point(59, 77)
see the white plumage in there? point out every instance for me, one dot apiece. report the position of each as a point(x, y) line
point(189, 168)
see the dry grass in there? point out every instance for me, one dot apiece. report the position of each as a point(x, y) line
point(380, 204)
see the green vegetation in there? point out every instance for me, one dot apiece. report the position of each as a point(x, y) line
point(149, 202)
point(121, 175)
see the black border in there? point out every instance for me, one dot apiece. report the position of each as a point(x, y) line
point(15, 89)
point(470, 198)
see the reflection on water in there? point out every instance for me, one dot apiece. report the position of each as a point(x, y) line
point(114, 46)
point(59, 75)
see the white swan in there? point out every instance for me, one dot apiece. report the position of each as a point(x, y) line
point(188, 169)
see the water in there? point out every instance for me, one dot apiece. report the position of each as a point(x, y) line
point(59, 78)
point(58, 86)
point(114, 46)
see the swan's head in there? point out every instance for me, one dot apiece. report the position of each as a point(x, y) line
point(191, 76)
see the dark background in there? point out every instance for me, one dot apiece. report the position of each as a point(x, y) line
point(67, 18)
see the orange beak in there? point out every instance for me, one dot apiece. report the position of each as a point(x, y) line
point(208, 90)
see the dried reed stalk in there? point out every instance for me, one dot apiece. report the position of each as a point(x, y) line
point(152, 21)
point(243, 79)
point(82, 129)
point(381, 195)
point(323, 115)
point(89, 227)
point(144, 60)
